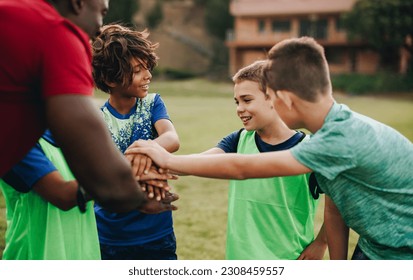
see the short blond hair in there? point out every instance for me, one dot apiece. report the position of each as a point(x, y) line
point(252, 72)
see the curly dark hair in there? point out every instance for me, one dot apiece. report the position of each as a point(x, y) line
point(113, 51)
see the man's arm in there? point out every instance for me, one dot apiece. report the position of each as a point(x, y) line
point(91, 154)
point(59, 192)
point(223, 166)
point(337, 231)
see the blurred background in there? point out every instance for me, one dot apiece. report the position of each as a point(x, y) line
point(368, 44)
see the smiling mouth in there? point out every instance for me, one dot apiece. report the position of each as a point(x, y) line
point(245, 119)
point(145, 87)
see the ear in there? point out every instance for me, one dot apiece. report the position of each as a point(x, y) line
point(285, 97)
point(77, 5)
point(111, 84)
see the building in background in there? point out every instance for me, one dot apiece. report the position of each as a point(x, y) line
point(259, 24)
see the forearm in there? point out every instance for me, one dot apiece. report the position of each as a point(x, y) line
point(336, 230)
point(169, 141)
point(235, 166)
point(322, 236)
point(93, 158)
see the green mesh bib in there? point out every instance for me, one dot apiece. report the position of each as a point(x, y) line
point(37, 230)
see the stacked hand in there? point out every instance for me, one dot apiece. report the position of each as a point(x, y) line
point(149, 148)
point(154, 182)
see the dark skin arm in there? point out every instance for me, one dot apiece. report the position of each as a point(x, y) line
point(91, 154)
point(62, 194)
point(54, 189)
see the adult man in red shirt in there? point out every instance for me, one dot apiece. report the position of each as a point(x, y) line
point(46, 81)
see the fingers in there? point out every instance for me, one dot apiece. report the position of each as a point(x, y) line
point(139, 146)
point(148, 165)
point(170, 197)
point(143, 186)
point(150, 191)
point(142, 163)
point(155, 207)
point(132, 150)
point(159, 184)
point(153, 174)
point(131, 159)
point(157, 192)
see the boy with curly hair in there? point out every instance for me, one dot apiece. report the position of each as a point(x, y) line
point(122, 63)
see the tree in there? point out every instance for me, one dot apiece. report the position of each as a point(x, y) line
point(217, 17)
point(122, 11)
point(155, 16)
point(384, 24)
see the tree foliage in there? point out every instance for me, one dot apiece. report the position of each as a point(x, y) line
point(217, 17)
point(155, 16)
point(122, 11)
point(384, 24)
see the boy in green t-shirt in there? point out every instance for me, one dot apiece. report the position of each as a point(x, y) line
point(363, 166)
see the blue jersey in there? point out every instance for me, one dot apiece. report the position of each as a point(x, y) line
point(31, 168)
point(133, 228)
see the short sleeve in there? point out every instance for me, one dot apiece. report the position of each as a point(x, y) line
point(28, 171)
point(229, 143)
point(66, 61)
point(159, 110)
point(327, 153)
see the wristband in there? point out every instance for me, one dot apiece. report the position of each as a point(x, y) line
point(81, 199)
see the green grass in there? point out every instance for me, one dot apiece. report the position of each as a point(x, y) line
point(203, 113)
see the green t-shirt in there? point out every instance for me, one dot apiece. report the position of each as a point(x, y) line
point(268, 219)
point(37, 230)
point(366, 168)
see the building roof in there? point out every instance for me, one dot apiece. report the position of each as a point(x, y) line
point(288, 7)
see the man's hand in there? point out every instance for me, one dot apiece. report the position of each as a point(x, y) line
point(153, 206)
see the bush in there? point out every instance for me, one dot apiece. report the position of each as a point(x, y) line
point(176, 74)
point(378, 83)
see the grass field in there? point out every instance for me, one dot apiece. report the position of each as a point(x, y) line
point(203, 113)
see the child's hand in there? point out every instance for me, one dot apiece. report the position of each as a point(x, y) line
point(155, 192)
point(158, 154)
point(157, 174)
point(140, 164)
point(156, 184)
point(314, 251)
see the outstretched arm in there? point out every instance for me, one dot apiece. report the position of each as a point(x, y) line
point(223, 166)
point(91, 154)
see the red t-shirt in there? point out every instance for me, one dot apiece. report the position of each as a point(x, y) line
point(41, 55)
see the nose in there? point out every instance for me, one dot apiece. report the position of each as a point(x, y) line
point(240, 108)
point(148, 75)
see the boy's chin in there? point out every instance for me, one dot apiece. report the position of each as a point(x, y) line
point(143, 95)
point(248, 128)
